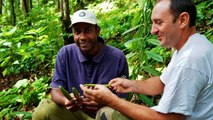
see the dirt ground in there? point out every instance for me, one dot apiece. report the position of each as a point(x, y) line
point(7, 82)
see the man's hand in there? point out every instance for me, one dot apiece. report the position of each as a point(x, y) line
point(71, 105)
point(90, 107)
point(120, 85)
point(99, 94)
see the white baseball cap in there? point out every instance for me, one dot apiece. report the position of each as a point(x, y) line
point(85, 16)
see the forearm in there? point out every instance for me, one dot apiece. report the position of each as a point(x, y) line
point(128, 109)
point(142, 112)
point(151, 86)
point(57, 97)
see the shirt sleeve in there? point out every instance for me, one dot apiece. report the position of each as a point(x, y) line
point(182, 87)
point(123, 67)
point(59, 77)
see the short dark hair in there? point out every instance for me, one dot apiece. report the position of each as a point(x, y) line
point(179, 6)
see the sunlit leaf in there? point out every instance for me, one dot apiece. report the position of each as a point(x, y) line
point(16, 62)
point(28, 37)
point(154, 56)
point(33, 32)
point(21, 83)
point(7, 44)
point(129, 44)
point(23, 115)
point(134, 28)
point(5, 62)
point(151, 70)
point(6, 34)
point(154, 41)
point(130, 55)
point(13, 30)
point(41, 29)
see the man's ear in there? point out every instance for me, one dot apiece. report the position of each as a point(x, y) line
point(98, 29)
point(184, 19)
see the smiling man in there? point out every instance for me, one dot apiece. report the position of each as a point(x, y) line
point(187, 83)
point(87, 61)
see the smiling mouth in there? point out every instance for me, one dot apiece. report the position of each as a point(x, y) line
point(83, 44)
point(159, 38)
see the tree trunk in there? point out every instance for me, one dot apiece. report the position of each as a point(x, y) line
point(26, 9)
point(62, 9)
point(65, 19)
point(0, 7)
point(13, 15)
point(31, 4)
point(58, 5)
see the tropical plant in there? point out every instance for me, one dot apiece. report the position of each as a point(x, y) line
point(21, 97)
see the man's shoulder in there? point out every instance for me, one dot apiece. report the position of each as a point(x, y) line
point(114, 51)
point(68, 49)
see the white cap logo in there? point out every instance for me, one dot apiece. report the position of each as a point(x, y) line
point(82, 14)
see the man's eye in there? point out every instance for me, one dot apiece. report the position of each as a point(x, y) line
point(88, 30)
point(77, 31)
point(159, 23)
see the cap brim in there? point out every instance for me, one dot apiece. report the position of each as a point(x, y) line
point(83, 21)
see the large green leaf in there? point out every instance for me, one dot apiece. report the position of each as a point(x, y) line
point(146, 100)
point(151, 70)
point(154, 41)
point(154, 56)
point(129, 44)
point(23, 115)
point(130, 30)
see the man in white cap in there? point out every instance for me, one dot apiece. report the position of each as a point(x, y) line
point(87, 61)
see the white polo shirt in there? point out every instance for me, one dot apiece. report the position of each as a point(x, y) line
point(188, 81)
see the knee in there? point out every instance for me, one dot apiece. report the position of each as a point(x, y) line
point(44, 110)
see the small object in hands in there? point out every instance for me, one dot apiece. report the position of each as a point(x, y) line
point(78, 97)
point(65, 93)
point(93, 85)
point(75, 92)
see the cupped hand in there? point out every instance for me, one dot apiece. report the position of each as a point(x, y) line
point(90, 107)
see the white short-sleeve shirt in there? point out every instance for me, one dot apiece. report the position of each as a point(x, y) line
point(188, 81)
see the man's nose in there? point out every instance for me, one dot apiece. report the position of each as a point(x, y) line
point(82, 36)
point(154, 30)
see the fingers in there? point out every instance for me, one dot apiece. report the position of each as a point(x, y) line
point(71, 105)
point(116, 82)
point(87, 92)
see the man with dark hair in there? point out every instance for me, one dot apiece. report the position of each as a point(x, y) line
point(88, 61)
point(187, 83)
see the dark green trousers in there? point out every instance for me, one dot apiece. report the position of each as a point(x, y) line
point(49, 110)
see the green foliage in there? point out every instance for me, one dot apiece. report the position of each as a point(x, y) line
point(29, 49)
point(205, 18)
point(31, 46)
point(142, 58)
point(23, 93)
point(149, 102)
point(113, 18)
